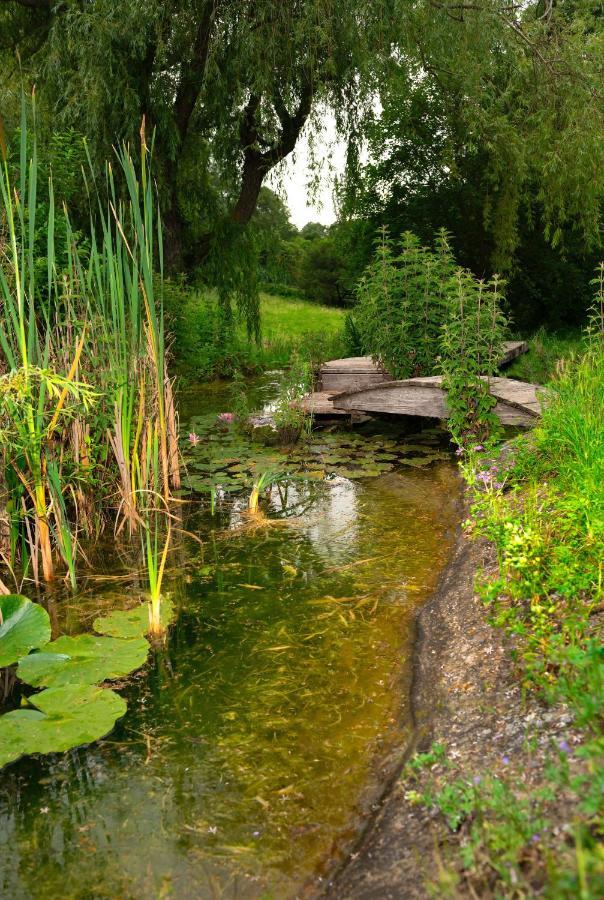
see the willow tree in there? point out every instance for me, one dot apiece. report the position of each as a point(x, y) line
point(227, 85)
point(494, 109)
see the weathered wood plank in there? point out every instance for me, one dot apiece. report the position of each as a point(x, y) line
point(513, 349)
point(354, 373)
point(320, 404)
point(518, 401)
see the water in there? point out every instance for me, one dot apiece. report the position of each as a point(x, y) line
point(256, 740)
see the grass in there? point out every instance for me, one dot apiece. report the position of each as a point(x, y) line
point(546, 350)
point(206, 346)
point(545, 518)
point(284, 318)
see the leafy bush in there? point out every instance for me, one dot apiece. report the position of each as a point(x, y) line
point(402, 303)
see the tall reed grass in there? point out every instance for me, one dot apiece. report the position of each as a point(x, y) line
point(87, 416)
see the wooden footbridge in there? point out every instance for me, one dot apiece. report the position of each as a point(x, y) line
point(357, 386)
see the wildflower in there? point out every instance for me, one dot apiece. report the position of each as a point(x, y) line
point(564, 746)
point(212, 829)
point(226, 417)
point(478, 448)
point(498, 485)
point(534, 838)
point(505, 760)
point(194, 438)
point(459, 451)
point(485, 477)
point(477, 779)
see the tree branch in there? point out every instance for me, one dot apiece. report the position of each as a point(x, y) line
point(257, 163)
point(191, 79)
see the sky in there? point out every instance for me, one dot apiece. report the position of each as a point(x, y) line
point(310, 202)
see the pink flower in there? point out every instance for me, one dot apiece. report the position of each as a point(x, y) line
point(226, 417)
point(194, 438)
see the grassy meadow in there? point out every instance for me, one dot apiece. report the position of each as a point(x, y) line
point(206, 346)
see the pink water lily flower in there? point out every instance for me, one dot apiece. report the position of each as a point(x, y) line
point(194, 438)
point(226, 417)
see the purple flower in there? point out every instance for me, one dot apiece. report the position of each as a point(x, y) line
point(534, 838)
point(226, 417)
point(505, 760)
point(194, 438)
point(564, 746)
point(459, 451)
point(477, 779)
point(478, 448)
point(498, 485)
point(485, 477)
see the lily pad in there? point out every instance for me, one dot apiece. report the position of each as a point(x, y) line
point(64, 717)
point(132, 623)
point(23, 626)
point(83, 659)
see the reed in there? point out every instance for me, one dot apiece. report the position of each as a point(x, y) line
point(87, 412)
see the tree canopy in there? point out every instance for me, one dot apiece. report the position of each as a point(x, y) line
point(493, 107)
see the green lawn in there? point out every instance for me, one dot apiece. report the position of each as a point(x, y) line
point(292, 327)
point(285, 318)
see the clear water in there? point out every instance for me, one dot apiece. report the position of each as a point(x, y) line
point(257, 737)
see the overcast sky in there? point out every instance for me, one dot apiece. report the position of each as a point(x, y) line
point(293, 180)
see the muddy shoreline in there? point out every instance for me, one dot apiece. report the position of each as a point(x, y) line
point(467, 696)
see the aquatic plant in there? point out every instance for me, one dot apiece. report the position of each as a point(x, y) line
point(86, 404)
point(23, 627)
point(73, 709)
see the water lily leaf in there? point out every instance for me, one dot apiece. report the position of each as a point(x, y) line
point(83, 659)
point(132, 623)
point(417, 461)
point(23, 626)
point(64, 717)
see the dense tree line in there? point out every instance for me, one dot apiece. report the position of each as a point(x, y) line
point(485, 118)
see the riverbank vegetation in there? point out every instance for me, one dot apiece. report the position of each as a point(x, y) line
point(541, 504)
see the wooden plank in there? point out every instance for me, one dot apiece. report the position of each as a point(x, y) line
point(397, 397)
point(513, 349)
point(351, 364)
point(518, 402)
point(320, 404)
point(336, 382)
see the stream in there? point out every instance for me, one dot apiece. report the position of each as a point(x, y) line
point(258, 737)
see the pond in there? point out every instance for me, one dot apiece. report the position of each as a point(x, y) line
point(258, 737)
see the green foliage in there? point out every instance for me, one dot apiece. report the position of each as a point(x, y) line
point(131, 623)
point(206, 344)
point(417, 315)
point(289, 419)
point(85, 400)
point(24, 626)
point(472, 347)
point(58, 719)
point(83, 659)
point(477, 120)
point(322, 273)
point(548, 351)
point(402, 304)
point(548, 531)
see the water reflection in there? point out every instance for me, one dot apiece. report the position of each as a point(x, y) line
point(254, 740)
